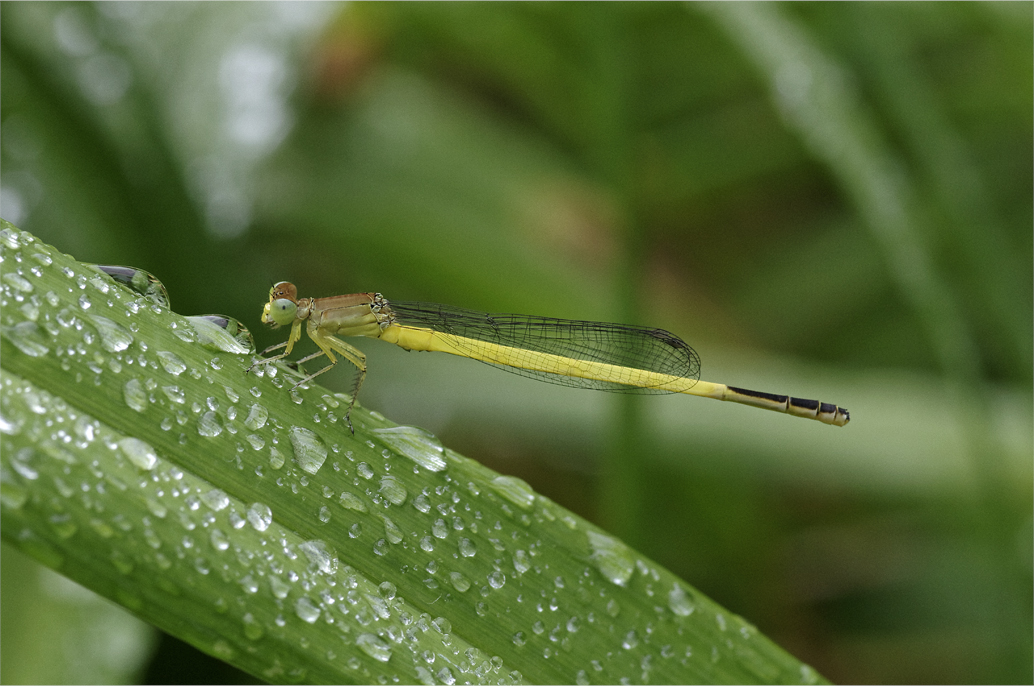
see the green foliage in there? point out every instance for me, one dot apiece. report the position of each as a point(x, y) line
point(828, 200)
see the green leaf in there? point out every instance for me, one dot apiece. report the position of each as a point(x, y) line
point(142, 462)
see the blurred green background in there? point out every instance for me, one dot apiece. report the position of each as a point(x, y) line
point(828, 200)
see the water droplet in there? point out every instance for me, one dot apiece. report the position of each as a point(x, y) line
point(521, 561)
point(182, 332)
point(63, 525)
point(18, 282)
point(309, 450)
point(27, 337)
point(219, 540)
point(364, 470)
point(173, 393)
point(680, 602)
point(114, 338)
point(139, 453)
point(208, 425)
point(459, 582)
point(216, 499)
point(233, 328)
point(10, 426)
point(260, 516)
point(134, 394)
point(137, 280)
point(306, 610)
point(443, 625)
point(257, 417)
point(612, 557)
point(417, 444)
point(496, 579)
point(392, 532)
point(467, 548)
point(351, 501)
point(279, 588)
point(318, 555)
point(631, 640)
point(210, 334)
point(393, 490)
point(517, 491)
point(427, 544)
point(374, 646)
point(171, 363)
point(252, 629)
point(439, 529)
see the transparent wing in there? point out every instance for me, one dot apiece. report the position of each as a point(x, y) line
point(635, 347)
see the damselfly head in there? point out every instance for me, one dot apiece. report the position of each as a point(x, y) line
point(282, 305)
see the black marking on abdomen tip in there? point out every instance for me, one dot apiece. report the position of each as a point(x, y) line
point(760, 394)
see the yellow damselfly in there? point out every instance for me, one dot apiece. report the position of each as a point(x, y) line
point(610, 357)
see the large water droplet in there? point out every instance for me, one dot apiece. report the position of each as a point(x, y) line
point(680, 602)
point(172, 363)
point(114, 338)
point(215, 499)
point(175, 394)
point(392, 532)
point(139, 453)
point(208, 425)
point(467, 548)
point(351, 501)
point(134, 394)
point(612, 557)
point(18, 282)
point(459, 582)
point(257, 417)
point(374, 646)
point(260, 516)
point(417, 444)
point(252, 628)
point(318, 555)
point(306, 610)
point(521, 561)
point(232, 327)
point(137, 280)
point(21, 464)
point(517, 491)
point(210, 334)
point(393, 490)
point(310, 451)
point(27, 337)
point(12, 494)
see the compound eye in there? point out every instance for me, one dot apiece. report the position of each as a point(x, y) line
point(282, 311)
